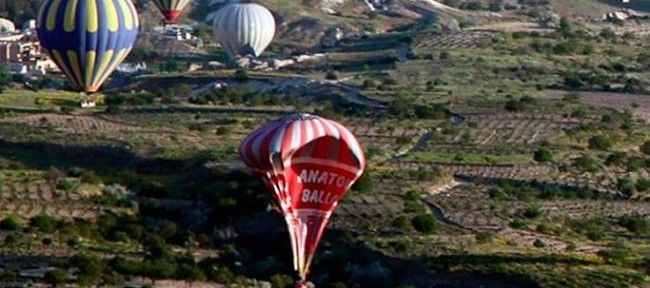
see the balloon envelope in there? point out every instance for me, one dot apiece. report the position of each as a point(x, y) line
point(171, 9)
point(308, 162)
point(244, 28)
point(87, 39)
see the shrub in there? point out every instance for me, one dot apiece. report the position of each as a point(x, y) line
point(593, 228)
point(126, 267)
point(607, 33)
point(401, 222)
point(532, 211)
point(572, 97)
point(241, 75)
point(626, 185)
point(425, 223)
point(223, 130)
point(484, 237)
point(634, 164)
point(586, 163)
point(636, 224)
point(643, 184)
point(618, 256)
point(55, 277)
point(331, 75)
point(600, 142)
point(90, 177)
point(400, 107)
point(191, 273)
point(369, 84)
point(543, 155)
point(431, 111)
point(363, 184)
point(44, 223)
point(90, 268)
point(10, 223)
point(616, 158)
point(645, 148)
point(281, 281)
point(65, 185)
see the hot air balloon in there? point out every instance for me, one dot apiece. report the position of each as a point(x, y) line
point(244, 28)
point(171, 9)
point(87, 39)
point(308, 163)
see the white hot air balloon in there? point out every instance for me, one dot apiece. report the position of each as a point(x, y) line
point(244, 28)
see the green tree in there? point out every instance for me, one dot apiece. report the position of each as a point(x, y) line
point(183, 90)
point(126, 267)
point(600, 142)
point(90, 268)
point(543, 155)
point(241, 75)
point(607, 33)
point(627, 186)
point(159, 269)
point(565, 28)
point(363, 184)
point(55, 277)
point(44, 223)
point(190, 273)
point(532, 211)
point(10, 223)
point(425, 223)
point(281, 281)
point(401, 222)
point(10, 274)
point(5, 78)
point(400, 107)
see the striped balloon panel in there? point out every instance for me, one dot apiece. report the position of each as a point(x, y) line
point(244, 29)
point(171, 4)
point(87, 39)
point(285, 136)
point(171, 9)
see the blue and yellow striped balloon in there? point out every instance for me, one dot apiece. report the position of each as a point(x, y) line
point(88, 39)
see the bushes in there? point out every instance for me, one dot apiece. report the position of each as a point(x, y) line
point(586, 163)
point(10, 223)
point(532, 211)
point(55, 277)
point(431, 111)
point(626, 185)
point(520, 105)
point(281, 281)
point(44, 223)
point(401, 223)
point(543, 155)
point(425, 223)
point(236, 96)
point(600, 142)
point(643, 185)
point(645, 148)
point(363, 184)
point(593, 228)
point(331, 75)
point(5, 78)
point(636, 224)
point(90, 268)
point(141, 98)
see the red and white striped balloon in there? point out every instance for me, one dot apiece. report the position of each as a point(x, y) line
point(308, 162)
